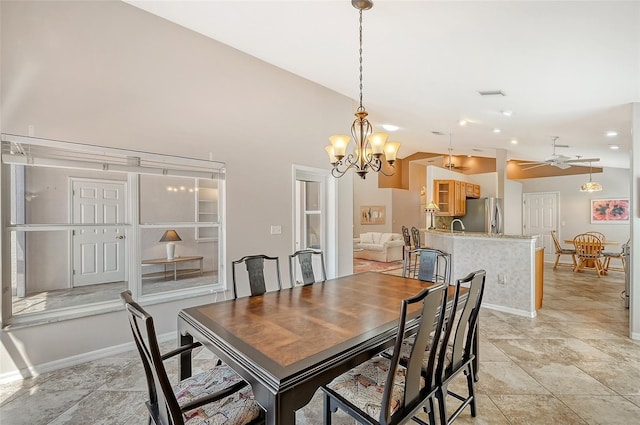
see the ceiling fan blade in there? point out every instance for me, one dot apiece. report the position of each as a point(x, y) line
point(562, 165)
point(533, 163)
point(583, 160)
point(534, 166)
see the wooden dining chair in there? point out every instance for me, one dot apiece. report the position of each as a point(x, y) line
point(560, 251)
point(218, 395)
point(460, 353)
point(255, 268)
point(384, 391)
point(609, 255)
point(588, 253)
point(304, 267)
point(433, 265)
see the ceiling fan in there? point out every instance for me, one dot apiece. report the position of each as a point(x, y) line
point(561, 161)
point(448, 161)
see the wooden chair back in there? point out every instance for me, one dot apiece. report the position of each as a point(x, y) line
point(598, 235)
point(587, 246)
point(304, 267)
point(255, 268)
point(556, 243)
point(406, 237)
point(433, 300)
point(415, 234)
point(163, 405)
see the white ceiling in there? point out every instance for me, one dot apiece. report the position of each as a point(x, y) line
point(568, 69)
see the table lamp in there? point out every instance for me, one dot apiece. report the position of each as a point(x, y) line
point(170, 236)
point(432, 208)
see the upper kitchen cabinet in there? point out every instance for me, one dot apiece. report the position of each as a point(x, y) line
point(450, 196)
point(472, 190)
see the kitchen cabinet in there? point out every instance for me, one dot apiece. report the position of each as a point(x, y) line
point(472, 190)
point(450, 196)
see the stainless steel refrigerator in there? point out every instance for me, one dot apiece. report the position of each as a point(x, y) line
point(484, 215)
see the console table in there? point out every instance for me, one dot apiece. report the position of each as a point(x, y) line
point(174, 261)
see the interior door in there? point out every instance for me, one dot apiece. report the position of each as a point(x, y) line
point(310, 214)
point(541, 216)
point(98, 252)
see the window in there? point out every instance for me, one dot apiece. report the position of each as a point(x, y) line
point(85, 223)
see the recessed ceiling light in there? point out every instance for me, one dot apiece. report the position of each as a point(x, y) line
point(614, 147)
point(390, 127)
point(611, 133)
point(507, 113)
point(514, 142)
point(462, 122)
point(496, 130)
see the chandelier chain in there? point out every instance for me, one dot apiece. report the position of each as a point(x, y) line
point(360, 56)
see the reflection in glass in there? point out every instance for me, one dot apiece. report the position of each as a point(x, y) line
point(44, 283)
point(193, 264)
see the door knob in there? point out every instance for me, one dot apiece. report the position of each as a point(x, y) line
point(120, 237)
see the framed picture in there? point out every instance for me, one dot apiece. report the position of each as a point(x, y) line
point(612, 211)
point(372, 214)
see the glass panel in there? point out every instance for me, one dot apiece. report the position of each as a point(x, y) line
point(313, 231)
point(193, 263)
point(207, 207)
point(166, 199)
point(45, 195)
point(46, 275)
point(312, 200)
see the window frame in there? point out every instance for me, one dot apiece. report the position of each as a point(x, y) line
point(133, 164)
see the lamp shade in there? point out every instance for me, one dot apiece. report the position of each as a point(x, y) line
point(170, 236)
point(432, 207)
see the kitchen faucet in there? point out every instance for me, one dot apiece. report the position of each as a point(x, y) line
point(459, 221)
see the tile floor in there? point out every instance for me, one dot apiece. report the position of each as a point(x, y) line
point(573, 364)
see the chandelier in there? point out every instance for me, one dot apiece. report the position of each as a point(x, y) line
point(370, 147)
point(590, 186)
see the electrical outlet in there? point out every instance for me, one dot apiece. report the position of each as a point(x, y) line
point(502, 279)
point(276, 230)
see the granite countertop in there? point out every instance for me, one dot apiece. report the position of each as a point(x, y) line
point(459, 233)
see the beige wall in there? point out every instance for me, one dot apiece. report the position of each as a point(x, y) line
point(106, 73)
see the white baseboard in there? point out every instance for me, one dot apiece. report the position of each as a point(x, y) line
point(36, 370)
point(523, 313)
point(635, 336)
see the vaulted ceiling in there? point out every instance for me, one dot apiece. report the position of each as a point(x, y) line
point(565, 69)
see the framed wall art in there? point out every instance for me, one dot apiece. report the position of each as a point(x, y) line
point(372, 214)
point(611, 211)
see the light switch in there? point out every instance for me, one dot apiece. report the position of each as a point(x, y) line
point(276, 230)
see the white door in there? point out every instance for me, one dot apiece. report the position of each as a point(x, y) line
point(541, 215)
point(310, 215)
point(98, 252)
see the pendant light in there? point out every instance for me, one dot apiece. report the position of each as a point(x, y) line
point(590, 186)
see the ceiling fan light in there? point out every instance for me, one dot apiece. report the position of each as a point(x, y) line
point(591, 187)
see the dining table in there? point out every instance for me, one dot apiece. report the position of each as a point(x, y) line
point(288, 343)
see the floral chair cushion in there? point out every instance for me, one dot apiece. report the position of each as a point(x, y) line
point(238, 408)
point(363, 386)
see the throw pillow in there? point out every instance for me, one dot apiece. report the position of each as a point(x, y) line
point(366, 237)
point(376, 237)
point(386, 237)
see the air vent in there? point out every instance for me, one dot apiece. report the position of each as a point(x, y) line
point(491, 93)
point(438, 133)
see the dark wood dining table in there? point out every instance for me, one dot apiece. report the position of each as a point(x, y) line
point(288, 343)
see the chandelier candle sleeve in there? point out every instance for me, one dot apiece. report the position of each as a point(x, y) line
point(370, 147)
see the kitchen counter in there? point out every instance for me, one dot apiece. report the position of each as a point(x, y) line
point(509, 261)
point(477, 234)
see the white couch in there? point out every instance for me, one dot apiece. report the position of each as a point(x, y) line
point(378, 246)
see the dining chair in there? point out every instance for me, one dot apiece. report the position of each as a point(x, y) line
point(588, 253)
point(255, 267)
point(560, 251)
point(460, 353)
point(384, 391)
point(608, 255)
point(216, 396)
point(304, 267)
point(433, 265)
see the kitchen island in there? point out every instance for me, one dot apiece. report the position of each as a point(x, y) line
point(509, 261)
